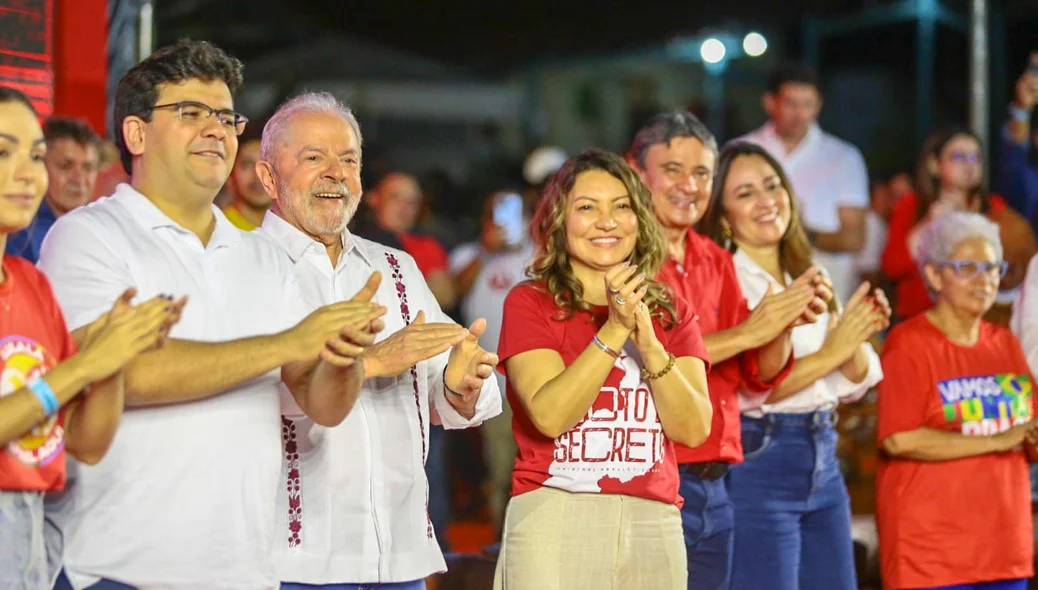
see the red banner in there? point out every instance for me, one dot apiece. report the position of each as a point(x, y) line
point(26, 50)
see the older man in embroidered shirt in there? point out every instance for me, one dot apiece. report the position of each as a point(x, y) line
point(183, 499)
point(354, 507)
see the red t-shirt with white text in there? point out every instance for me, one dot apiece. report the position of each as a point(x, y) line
point(617, 448)
point(33, 339)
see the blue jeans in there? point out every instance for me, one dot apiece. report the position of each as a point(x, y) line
point(999, 585)
point(416, 585)
point(64, 584)
point(707, 520)
point(439, 485)
point(792, 511)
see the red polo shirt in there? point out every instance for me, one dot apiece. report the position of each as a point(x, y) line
point(707, 280)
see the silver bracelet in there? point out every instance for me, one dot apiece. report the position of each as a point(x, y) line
point(605, 348)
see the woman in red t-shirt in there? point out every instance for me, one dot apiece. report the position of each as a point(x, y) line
point(953, 489)
point(950, 177)
point(43, 411)
point(605, 369)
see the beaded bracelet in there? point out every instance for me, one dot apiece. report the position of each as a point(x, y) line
point(650, 376)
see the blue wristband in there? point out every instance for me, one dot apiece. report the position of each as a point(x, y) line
point(43, 392)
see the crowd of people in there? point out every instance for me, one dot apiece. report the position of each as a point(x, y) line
point(655, 344)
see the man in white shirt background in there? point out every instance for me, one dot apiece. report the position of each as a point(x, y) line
point(184, 498)
point(353, 511)
point(827, 173)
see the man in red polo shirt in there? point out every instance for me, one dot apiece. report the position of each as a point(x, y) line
point(675, 155)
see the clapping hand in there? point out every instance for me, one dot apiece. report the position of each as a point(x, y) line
point(624, 292)
point(417, 342)
point(469, 365)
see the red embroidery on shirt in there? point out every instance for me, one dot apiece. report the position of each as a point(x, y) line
point(295, 504)
point(405, 312)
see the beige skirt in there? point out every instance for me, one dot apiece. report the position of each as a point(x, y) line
point(558, 540)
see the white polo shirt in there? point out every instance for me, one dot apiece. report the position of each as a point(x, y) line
point(183, 498)
point(353, 506)
point(826, 173)
point(825, 393)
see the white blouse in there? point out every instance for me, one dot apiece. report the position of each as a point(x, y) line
point(825, 393)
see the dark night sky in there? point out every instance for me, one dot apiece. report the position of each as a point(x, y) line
point(494, 38)
point(488, 36)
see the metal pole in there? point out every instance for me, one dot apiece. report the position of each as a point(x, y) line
point(979, 72)
point(145, 22)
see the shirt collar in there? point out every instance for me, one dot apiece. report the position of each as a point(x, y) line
point(151, 217)
point(745, 264)
point(777, 147)
point(296, 243)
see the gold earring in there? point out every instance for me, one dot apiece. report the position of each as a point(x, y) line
point(726, 233)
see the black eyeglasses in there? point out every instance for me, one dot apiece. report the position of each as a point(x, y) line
point(197, 113)
point(968, 269)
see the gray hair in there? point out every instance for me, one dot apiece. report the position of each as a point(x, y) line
point(308, 102)
point(663, 128)
point(938, 239)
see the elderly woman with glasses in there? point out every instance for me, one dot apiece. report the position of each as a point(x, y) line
point(606, 371)
point(953, 497)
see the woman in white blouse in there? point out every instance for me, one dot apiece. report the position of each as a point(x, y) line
point(792, 511)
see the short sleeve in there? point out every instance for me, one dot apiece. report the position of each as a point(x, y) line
point(86, 273)
point(904, 392)
point(1021, 360)
point(526, 325)
point(855, 189)
point(684, 339)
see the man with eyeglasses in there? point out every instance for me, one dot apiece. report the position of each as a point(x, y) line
point(185, 498)
point(827, 173)
point(675, 154)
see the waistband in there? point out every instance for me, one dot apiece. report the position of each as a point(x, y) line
point(820, 419)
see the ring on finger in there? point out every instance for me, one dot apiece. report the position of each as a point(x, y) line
point(612, 290)
point(620, 301)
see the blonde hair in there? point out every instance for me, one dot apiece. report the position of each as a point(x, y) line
point(551, 265)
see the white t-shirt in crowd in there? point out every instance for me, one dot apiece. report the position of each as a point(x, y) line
point(500, 272)
point(825, 393)
point(184, 498)
point(353, 504)
point(826, 173)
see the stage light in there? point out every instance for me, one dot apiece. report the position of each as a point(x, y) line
point(712, 50)
point(754, 44)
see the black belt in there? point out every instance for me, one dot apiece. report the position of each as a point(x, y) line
point(708, 470)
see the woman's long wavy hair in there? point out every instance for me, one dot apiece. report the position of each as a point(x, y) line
point(552, 264)
point(928, 184)
point(794, 248)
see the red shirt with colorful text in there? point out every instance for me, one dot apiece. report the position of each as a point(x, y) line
point(959, 521)
point(33, 339)
point(619, 446)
